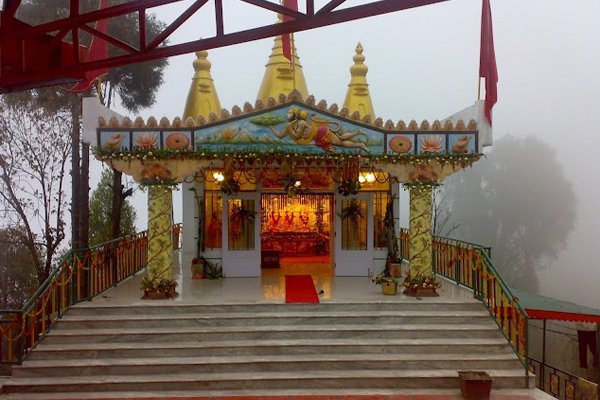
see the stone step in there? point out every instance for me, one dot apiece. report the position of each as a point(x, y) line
point(270, 318)
point(228, 364)
point(306, 394)
point(306, 332)
point(67, 351)
point(167, 307)
point(317, 379)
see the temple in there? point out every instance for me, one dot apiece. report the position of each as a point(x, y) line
point(288, 176)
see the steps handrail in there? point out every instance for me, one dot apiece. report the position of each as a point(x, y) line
point(470, 265)
point(80, 275)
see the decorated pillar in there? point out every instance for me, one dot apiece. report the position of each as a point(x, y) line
point(159, 282)
point(420, 238)
point(421, 280)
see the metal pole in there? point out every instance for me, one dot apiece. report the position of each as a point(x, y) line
point(542, 372)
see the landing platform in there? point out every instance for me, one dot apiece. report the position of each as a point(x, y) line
point(269, 288)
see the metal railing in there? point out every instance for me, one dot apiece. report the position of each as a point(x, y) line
point(81, 275)
point(470, 265)
point(554, 381)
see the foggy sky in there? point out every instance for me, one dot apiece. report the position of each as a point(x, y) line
point(423, 64)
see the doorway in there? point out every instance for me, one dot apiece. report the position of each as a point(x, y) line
point(297, 234)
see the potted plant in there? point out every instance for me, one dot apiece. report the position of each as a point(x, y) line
point(389, 284)
point(198, 268)
point(420, 285)
point(212, 271)
point(158, 288)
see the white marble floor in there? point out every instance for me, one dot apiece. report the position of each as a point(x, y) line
point(269, 288)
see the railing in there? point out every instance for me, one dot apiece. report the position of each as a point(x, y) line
point(81, 275)
point(559, 384)
point(469, 265)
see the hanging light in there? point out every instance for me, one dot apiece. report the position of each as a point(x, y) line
point(219, 177)
point(367, 177)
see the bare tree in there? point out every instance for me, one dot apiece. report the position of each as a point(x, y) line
point(136, 86)
point(442, 222)
point(34, 150)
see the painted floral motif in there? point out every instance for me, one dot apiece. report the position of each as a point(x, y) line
point(400, 144)
point(146, 140)
point(177, 141)
point(431, 144)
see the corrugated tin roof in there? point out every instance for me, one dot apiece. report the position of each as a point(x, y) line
point(542, 307)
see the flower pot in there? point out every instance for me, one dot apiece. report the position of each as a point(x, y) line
point(389, 288)
point(475, 385)
point(421, 292)
point(159, 294)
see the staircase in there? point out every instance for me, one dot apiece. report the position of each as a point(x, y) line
point(265, 349)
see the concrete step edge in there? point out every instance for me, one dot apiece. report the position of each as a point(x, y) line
point(274, 342)
point(257, 376)
point(208, 316)
point(324, 304)
point(375, 357)
point(274, 328)
point(446, 393)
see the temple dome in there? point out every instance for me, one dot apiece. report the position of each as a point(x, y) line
point(202, 97)
point(282, 75)
point(358, 97)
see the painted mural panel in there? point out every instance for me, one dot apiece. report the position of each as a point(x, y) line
point(114, 141)
point(430, 144)
point(461, 143)
point(401, 144)
point(290, 129)
point(177, 140)
point(146, 140)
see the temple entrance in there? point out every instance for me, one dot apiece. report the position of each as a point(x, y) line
point(297, 234)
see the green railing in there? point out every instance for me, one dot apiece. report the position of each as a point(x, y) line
point(80, 276)
point(470, 265)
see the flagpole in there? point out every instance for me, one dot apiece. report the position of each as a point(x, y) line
point(479, 88)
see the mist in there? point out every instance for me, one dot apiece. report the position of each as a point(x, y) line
point(423, 64)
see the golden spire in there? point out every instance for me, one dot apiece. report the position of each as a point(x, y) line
point(202, 98)
point(357, 96)
point(282, 76)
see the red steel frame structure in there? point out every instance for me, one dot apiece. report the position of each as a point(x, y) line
point(34, 56)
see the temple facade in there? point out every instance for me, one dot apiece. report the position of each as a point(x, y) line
point(288, 176)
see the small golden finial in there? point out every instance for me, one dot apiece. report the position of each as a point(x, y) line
point(359, 68)
point(201, 62)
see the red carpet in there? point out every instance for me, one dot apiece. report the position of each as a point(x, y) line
point(300, 289)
